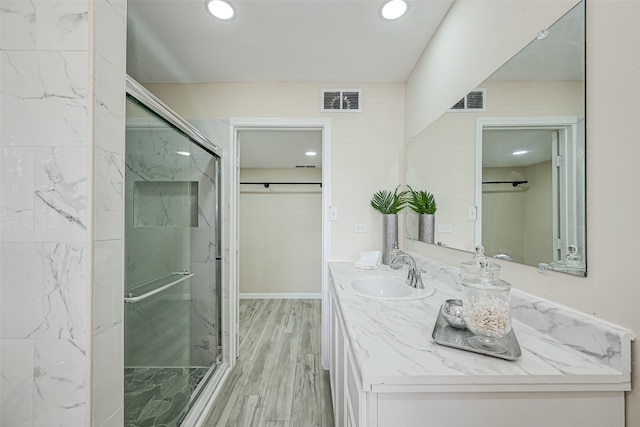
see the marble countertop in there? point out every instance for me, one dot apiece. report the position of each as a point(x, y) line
point(392, 345)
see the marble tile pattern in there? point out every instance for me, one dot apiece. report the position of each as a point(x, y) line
point(577, 330)
point(45, 147)
point(159, 397)
point(218, 131)
point(392, 344)
point(109, 25)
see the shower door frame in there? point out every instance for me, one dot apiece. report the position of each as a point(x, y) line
point(199, 411)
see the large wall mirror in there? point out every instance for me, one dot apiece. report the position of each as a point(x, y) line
point(507, 164)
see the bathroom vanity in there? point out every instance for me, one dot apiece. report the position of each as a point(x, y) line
point(387, 371)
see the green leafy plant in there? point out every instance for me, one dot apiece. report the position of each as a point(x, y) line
point(421, 202)
point(387, 202)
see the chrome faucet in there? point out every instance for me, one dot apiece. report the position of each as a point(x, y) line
point(414, 278)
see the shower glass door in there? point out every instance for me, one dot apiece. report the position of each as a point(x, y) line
point(172, 306)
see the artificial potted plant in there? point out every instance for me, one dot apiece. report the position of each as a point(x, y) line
point(424, 204)
point(389, 204)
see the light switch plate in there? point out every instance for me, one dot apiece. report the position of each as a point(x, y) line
point(333, 213)
point(473, 213)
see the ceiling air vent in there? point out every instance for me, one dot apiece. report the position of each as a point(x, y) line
point(345, 100)
point(474, 101)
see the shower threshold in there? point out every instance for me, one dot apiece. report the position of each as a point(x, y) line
point(159, 396)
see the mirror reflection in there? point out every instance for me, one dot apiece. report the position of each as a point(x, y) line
point(507, 163)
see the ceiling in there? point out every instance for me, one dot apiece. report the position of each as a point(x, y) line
point(280, 148)
point(559, 56)
point(177, 41)
point(498, 147)
point(330, 41)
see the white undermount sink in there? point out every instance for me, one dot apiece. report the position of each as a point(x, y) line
point(386, 288)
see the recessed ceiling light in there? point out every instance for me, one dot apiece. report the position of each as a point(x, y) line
point(220, 9)
point(393, 9)
point(518, 153)
point(310, 153)
point(183, 153)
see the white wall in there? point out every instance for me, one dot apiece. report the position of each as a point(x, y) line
point(611, 289)
point(280, 232)
point(366, 150)
point(503, 213)
point(538, 213)
point(518, 221)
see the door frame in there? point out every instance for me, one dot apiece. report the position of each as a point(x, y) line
point(324, 125)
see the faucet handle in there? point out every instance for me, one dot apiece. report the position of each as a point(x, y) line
point(410, 277)
point(417, 279)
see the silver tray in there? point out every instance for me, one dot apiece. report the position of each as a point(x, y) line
point(445, 334)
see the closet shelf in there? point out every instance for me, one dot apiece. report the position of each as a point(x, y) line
point(514, 183)
point(267, 184)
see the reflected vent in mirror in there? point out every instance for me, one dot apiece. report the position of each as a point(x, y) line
point(336, 100)
point(474, 101)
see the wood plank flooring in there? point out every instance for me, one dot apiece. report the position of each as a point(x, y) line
point(278, 380)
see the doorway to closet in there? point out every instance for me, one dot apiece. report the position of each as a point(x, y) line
point(280, 213)
point(243, 266)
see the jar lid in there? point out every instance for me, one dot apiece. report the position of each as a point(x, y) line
point(475, 264)
point(481, 264)
point(487, 283)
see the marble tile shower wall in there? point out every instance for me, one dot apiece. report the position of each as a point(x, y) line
point(155, 218)
point(62, 105)
point(218, 131)
point(204, 241)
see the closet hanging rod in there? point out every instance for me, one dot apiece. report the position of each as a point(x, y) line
point(183, 276)
point(514, 183)
point(267, 184)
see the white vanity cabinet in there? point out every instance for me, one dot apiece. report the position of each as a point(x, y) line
point(386, 371)
point(344, 376)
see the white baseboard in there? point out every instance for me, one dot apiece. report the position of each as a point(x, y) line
point(281, 296)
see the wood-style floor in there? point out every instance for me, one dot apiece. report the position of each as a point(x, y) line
point(278, 380)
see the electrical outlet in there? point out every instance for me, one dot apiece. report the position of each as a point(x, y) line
point(361, 228)
point(444, 228)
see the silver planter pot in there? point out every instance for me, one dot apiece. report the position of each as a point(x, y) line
point(426, 224)
point(389, 236)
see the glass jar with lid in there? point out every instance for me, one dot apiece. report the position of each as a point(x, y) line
point(486, 309)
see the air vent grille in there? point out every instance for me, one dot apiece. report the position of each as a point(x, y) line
point(474, 101)
point(306, 166)
point(345, 100)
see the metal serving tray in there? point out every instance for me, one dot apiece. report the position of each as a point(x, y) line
point(445, 334)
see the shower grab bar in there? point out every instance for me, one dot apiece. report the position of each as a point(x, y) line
point(183, 276)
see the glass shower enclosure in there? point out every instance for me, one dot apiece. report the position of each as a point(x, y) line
point(172, 301)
